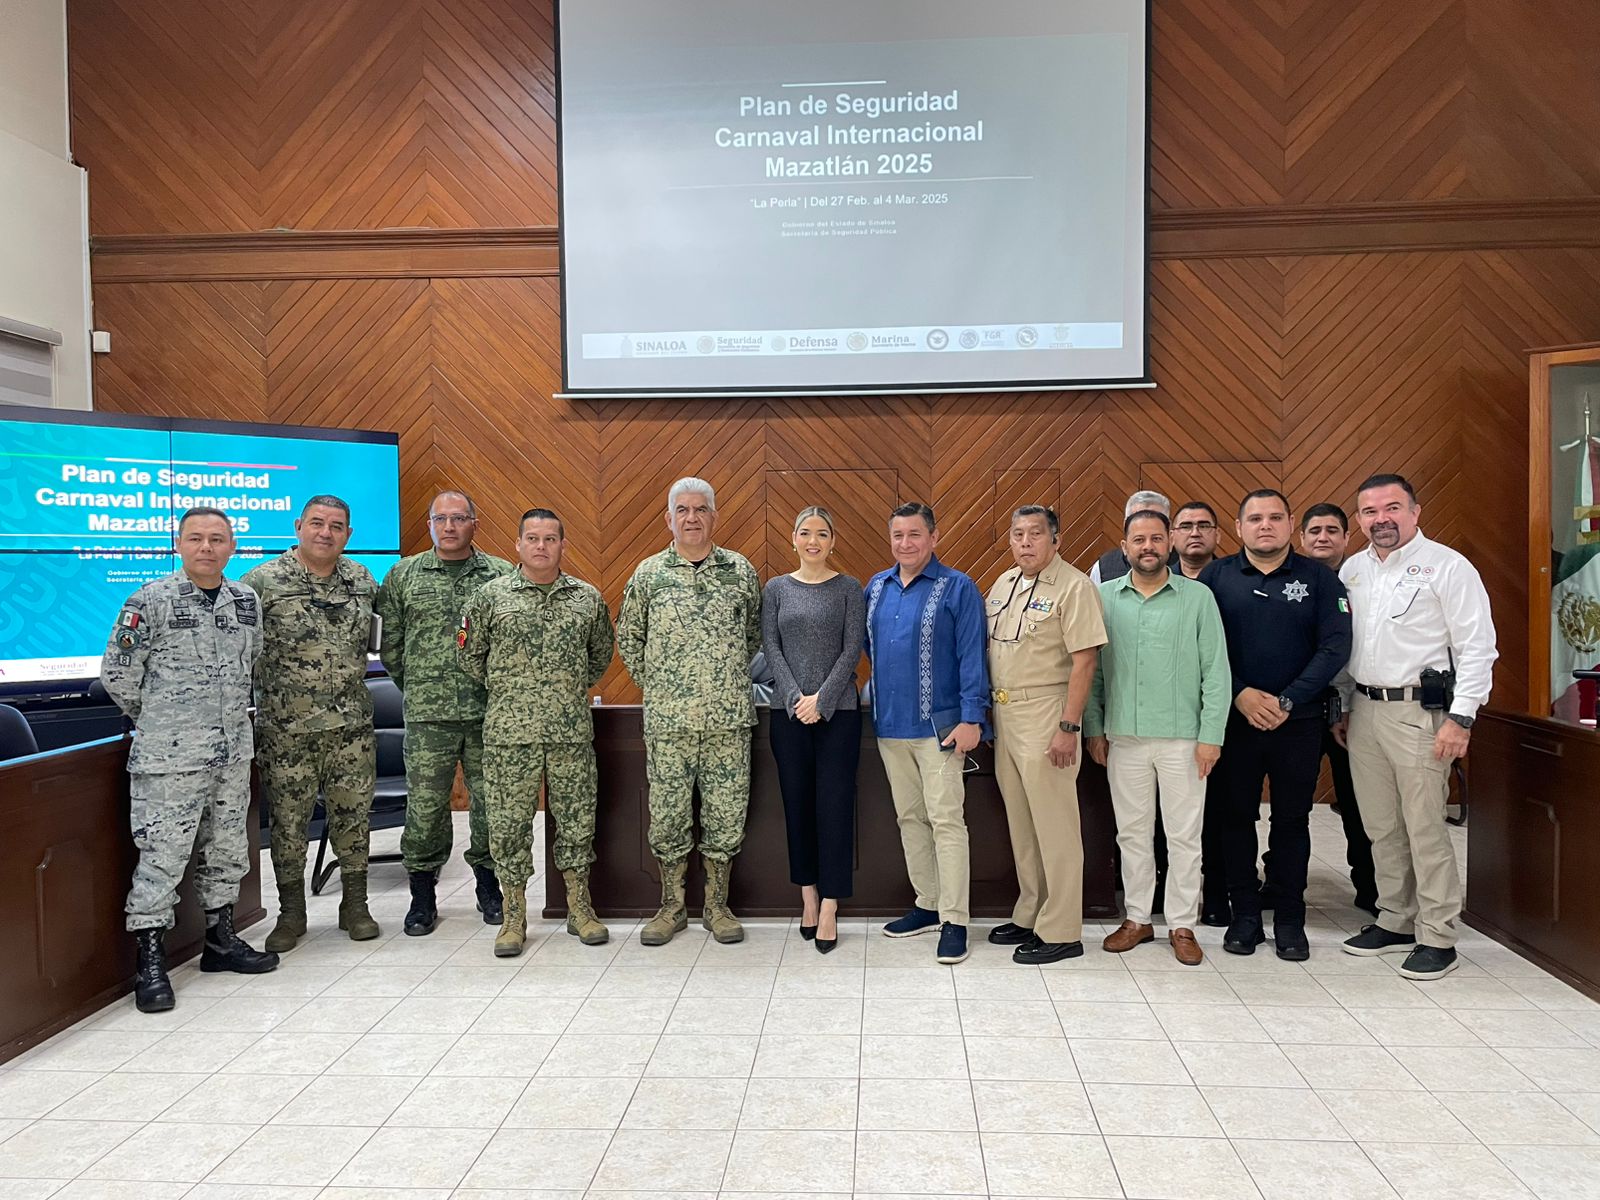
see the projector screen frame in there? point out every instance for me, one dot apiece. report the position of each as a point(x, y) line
point(1145, 381)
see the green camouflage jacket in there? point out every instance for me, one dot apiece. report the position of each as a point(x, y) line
point(180, 669)
point(312, 671)
point(538, 653)
point(687, 636)
point(421, 604)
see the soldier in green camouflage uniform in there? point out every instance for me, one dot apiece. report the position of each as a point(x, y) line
point(539, 640)
point(421, 602)
point(314, 713)
point(178, 663)
point(690, 624)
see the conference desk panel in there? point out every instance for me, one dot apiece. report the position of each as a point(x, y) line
point(66, 859)
point(625, 883)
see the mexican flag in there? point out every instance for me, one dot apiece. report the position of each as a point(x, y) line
point(1574, 618)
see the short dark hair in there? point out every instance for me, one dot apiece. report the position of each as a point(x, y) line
point(1201, 505)
point(1040, 510)
point(1146, 514)
point(472, 509)
point(1378, 481)
point(914, 508)
point(1324, 510)
point(1265, 494)
point(203, 510)
point(326, 501)
point(541, 514)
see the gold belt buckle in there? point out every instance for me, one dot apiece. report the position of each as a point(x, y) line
point(1001, 696)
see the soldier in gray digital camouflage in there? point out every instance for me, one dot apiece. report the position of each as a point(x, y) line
point(178, 663)
point(690, 625)
point(539, 640)
point(421, 602)
point(314, 713)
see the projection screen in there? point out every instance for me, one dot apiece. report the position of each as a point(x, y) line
point(852, 196)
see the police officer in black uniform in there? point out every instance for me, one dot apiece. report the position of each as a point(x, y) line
point(1288, 624)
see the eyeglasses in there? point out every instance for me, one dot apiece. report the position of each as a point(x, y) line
point(1194, 526)
point(452, 519)
point(1022, 611)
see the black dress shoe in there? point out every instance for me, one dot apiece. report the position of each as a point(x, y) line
point(1217, 918)
point(1291, 942)
point(1010, 934)
point(1036, 953)
point(1243, 936)
point(807, 932)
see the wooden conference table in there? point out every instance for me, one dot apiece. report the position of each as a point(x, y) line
point(625, 882)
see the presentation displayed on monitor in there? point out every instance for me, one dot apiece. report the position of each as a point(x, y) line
point(89, 505)
point(852, 195)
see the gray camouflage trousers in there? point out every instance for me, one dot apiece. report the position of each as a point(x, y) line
point(184, 813)
point(719, 762)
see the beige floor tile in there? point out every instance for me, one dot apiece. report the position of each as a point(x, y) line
point(1044, 1164)
point(1555, 1172)
point(712, 1015)
point(284, 1154)
point(1368, 1068)
point(432, 1014)
point(570, 1103)
point(1021, 983)
point(1138, 1109)
point(927, 1105)
point(147, 1095)
point(90, 1050)
point(799, 1056)
point(346, 1100)
point(599, 1054)
point(820, 1104)
point(685, 1104)
point(1314, 1026)
point(539, 1159)
point(443, 1102)
point(42, 1149)
point(32, 1094)
point(339, 1014)
point(1264, 1113)
point(791, 1161)
point(642, 1159)
point(403, 1158)
point(803, 982)
point(1426, 1171)
point(1523, 1119)
point(1020, 1059)
point(170, 1151)
point(1033, 1106)
point(1462, 1069)
point(1220, 1064)
point(1181, 1169)
point(887, 1056)
point(708, 980)
point(1558, 1070)
point(813, 1015)
point(1094, 986)
point(1207, 1022)
point(1394, 1116)
point(484, 1055)
point(1328, 1170)
point(909, 983)
point(919, 1162)
point(928, 1018)
point(1106, 1060)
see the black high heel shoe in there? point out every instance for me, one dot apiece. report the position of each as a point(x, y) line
point(808, 932)
point(826, 945)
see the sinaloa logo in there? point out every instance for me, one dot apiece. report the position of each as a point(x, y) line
point(856, 341)
point(706, 343)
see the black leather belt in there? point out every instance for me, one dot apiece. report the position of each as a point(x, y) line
point(1373, 693)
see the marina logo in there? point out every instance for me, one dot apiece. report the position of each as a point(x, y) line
point(938, 339)
point(856, 341)
point(969, 339)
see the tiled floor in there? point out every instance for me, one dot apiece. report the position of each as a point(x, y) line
point(424, 1067)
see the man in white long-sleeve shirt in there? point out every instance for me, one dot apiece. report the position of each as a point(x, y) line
point(1417, 606)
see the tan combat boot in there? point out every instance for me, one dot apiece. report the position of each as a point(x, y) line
point(513, 921)
point(353, 915)
point(715, 914)
point(672, 917)
point(291, 926)
point(582, 922)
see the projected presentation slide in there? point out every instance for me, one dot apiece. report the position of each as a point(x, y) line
point(852, 194)
point(71, 487)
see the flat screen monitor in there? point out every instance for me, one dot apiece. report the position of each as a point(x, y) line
point(89, 504)
point(852, 196)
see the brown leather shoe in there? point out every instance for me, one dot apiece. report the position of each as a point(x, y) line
point(1127, 936)
point(1184, 948)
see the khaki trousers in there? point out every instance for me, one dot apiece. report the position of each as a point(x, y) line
point(1402, 790)
point(1134, 766)
point(929, 795)
point(1042, 815)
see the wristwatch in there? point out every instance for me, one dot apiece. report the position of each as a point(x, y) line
point(1069, 727)
point(1285, 704)
point(1464, 722)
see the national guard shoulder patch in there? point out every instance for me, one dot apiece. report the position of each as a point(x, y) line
point(129, 632)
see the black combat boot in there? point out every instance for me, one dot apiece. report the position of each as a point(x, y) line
point(152, 990)
point(489, 902)
point(424, 912)
point(225, 950)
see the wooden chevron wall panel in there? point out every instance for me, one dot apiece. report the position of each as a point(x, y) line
point(1292, 127)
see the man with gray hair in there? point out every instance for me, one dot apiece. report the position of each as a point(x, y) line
point(1113, 564)
point(690, 624)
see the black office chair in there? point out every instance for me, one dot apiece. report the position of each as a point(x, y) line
point(16, 735)
point(388, 795)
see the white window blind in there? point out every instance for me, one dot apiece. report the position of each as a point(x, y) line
point(27, 367)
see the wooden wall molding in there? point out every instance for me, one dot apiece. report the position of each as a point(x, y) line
point(1259, 231)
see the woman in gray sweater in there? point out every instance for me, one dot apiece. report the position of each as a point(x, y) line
point(813, 623)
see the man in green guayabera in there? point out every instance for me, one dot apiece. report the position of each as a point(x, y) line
point(421, 602)
point(690, 624)
point(314, 713)
point(539, 640)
